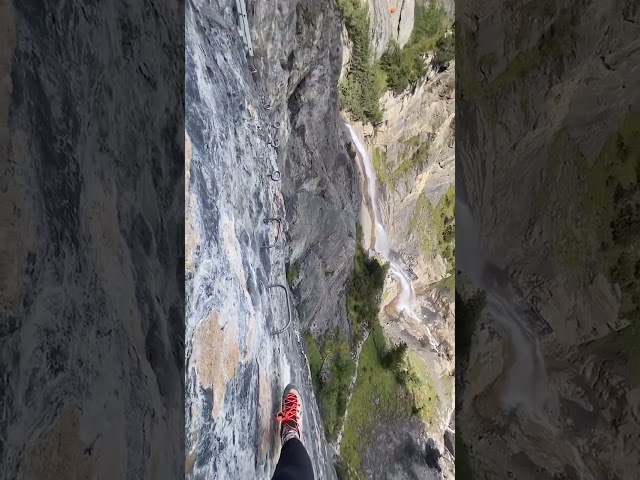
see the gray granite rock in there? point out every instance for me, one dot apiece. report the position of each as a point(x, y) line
point(91, 355)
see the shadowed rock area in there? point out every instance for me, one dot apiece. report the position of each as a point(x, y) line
point(548, 161)
point(91, 308)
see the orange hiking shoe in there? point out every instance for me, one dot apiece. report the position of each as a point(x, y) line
point(290, 417)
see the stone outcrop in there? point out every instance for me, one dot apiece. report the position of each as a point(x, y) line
point(387, 27)
point(92, 364)
point(522, 91)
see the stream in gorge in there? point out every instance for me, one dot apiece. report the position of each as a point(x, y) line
point(405, 301)
point(526, 387)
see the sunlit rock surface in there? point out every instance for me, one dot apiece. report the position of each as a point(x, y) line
point(237, 366)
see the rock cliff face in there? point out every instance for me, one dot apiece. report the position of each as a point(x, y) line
point(396, 27)
point(88, 212)
point(422, 123)
point(426, 114)
point(241, 128)
point(553, 95)
point(390, 27)
point(298, 55)
point(413, 154)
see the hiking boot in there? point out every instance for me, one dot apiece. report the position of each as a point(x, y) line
point(290, 416)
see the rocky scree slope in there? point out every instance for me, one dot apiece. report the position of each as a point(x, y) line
point(557, 92)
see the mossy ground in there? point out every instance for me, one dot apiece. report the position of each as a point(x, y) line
point(293, 271)
point(331, 356)
point(376, 394)
point(597, 215)
point(436, 227)
point(423, 389)
point(413, 156)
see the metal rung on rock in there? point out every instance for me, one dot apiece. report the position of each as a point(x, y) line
point(286, 292)
point(275, 175)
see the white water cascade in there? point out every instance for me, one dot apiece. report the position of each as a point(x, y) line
point(526, 387)
point(406, 300)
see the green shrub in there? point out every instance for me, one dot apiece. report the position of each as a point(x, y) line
point(293, 272)
point(405, 66)
point(445, 51)
point(365, 292)
point(331, 368)
point(394, 356)
point(361, 88)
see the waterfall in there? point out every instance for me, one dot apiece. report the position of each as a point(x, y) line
point(406, 300)
point(526, 387)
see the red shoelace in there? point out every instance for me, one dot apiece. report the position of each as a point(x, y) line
point(290, 411)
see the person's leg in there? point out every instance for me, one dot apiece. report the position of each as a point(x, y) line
point(294, 462)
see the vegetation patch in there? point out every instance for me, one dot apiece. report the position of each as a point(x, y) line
point(405, 66)
point(366, 80)
point(363, 85)
point(332, 368)
point(436, 227)
point(364, 292)
point(293, 272)
point(380, 166)
point(423, 390)
point(388, 384)
point(330, 358)
point(377, 394)
point(414, 154)
point(598, 222)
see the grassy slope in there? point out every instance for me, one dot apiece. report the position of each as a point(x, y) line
point(599, 216)
point(424, 391)
point(375, 395)
point(332, 357)
point(432, 225)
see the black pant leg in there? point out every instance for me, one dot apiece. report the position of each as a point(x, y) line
point(294, 463)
